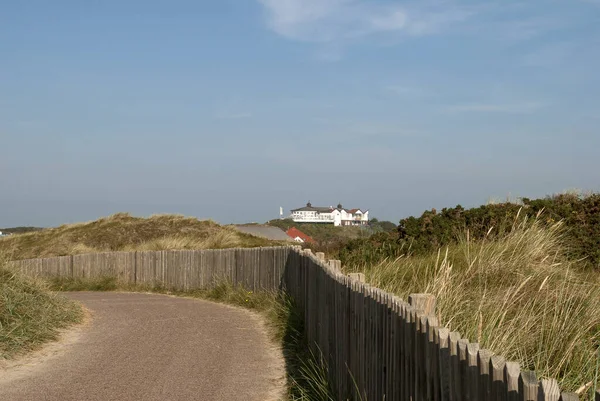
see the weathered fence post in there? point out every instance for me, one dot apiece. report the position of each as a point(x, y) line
point(360, 277)
point(463, 367)
point(455, 392)
point(512, 371)
point(548, 390)
point(320, 255)
point(528, 386)
point(483, 362)
point(472, 393)
point(498, 384)
point(336, 265)
point(444, 363)
point(423, 303)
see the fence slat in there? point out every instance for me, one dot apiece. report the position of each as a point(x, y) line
point(444, 361)
point(483, 362)
point(512, 372)
point(455, 382)
point(528, 386)
point(548, 390)
point(463, 365)
point(472, 372)
point(430, 360)
point(498, 383)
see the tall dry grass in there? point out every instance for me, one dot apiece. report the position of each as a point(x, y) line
point(517, 295)
point(227, 238)
point(30, 314)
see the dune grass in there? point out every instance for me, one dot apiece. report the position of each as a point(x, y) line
point(30, 314)
point(123, 232)
point(517, 295)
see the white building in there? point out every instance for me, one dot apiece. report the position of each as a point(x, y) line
point(337, 216)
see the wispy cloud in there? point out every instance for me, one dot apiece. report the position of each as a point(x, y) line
point(514, 108)
point(342, 20)
point(234, 116)
point(405, 90)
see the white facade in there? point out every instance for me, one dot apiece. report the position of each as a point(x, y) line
point(305, 216)
point(336, 216)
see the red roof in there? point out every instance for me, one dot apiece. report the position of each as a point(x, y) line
point(295, 233)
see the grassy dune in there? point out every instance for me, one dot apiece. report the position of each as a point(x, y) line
point(30, 314)
point(518, 296)
point(123, 232)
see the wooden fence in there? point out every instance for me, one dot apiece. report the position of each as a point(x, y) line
point(253, 268)
point(377, 347)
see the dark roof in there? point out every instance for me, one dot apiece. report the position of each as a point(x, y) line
point(311, 208)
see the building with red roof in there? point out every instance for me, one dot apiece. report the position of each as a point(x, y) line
point(299, 236)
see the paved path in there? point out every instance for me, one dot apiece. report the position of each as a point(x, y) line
point(154, 347)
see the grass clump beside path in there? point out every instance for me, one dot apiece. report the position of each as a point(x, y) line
point(123, 232)
point(518, 295)
point(306, 372)
point(30, 314)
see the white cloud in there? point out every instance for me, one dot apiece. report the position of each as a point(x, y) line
point(342, 20)
point(514, 108)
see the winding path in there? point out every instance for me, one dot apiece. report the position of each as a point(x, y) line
point(154, 347)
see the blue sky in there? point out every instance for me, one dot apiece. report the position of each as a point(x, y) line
point(229, 109)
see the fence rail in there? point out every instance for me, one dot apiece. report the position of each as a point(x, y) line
point(377, 347)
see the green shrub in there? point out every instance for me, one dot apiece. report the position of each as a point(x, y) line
point(422, 235)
